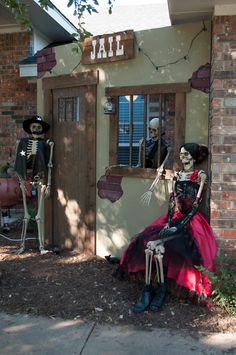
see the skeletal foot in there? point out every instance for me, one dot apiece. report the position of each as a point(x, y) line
point(44, 251)
point(20, 251)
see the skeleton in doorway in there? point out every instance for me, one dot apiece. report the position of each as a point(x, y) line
point(152, 146)
point(179, 240)
point(34, 160)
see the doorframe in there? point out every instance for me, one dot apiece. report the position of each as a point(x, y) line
point(87, 78)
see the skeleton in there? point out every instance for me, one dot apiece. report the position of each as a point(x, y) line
point(156, 248)
point(32, 153)
point(152, 145)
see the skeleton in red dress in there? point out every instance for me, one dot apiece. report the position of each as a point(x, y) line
point(181, 239)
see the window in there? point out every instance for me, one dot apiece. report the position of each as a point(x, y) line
point(135, 108)
point(69, 109)
point(128, 104)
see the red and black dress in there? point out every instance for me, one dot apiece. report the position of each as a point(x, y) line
point(194, 243)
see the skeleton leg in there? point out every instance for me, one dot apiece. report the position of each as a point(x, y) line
point(147, 291)
point(25, 219)
point(157, 268)
point(39, 216)
point(160, 250)
point(148, 264)
point(160, 293)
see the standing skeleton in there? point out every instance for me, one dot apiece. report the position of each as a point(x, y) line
point(34, 156)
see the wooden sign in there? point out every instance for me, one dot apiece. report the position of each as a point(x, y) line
point(108, 48)
point(200, 79)
point(109, 187)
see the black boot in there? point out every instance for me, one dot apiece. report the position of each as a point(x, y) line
point(144, 299)
point(159, 297)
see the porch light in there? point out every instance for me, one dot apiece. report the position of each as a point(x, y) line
point(109, 106)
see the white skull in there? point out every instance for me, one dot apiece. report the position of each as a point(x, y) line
point(153, 128)
point(186, 159)
point(36, 129)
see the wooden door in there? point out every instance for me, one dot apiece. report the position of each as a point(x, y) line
point(72, 112)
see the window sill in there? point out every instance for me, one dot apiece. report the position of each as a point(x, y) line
point(128, 171)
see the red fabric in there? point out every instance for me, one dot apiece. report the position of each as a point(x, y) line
point(182, 271)
point(188, 276)
point(194, 175)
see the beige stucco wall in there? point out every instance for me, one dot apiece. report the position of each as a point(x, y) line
point(118, 222)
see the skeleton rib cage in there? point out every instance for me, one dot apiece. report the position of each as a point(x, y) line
point(32, 148)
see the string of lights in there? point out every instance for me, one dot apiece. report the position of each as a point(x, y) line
point(184, 57)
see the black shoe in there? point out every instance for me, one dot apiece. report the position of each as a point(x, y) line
point(112, 259)
point(144, 299)
point(159, 297)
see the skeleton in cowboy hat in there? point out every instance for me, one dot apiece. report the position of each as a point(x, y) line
point(34, 160)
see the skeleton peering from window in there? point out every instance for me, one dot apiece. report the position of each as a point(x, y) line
point(34, 160)
point(153, 159)
point(180, 239)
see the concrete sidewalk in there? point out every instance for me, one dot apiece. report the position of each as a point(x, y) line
point(23, 334)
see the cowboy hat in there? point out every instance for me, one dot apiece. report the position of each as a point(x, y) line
point(35, 119)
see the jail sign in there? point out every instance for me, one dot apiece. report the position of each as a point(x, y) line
point(108, 48)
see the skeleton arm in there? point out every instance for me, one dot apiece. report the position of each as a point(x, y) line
point(146, 197)
point(50, 166)
point(140, 151)
point(197, 201)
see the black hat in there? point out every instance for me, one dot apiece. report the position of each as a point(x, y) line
point(35, 119)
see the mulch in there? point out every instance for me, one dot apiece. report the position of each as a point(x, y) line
point(78, 286)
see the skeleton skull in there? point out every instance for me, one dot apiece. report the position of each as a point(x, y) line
point(186, 159)
point(153, 128)
point(36, 129)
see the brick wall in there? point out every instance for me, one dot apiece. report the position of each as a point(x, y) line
point(17, 96)
point(223, 134)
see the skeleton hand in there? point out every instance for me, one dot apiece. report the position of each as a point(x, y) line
point(146, 198)
point(152, 244)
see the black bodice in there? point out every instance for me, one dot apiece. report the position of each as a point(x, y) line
point(185, 195)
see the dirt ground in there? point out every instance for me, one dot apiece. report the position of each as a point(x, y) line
point(75, 286)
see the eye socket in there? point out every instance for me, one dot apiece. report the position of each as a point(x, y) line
point(36, 126)
point(186, 154)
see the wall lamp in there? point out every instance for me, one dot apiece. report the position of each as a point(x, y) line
point(109, 106)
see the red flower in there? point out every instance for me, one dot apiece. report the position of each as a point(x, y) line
point(194, 175)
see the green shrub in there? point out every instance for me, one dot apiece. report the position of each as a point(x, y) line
point(4, 170)
point(223, 283)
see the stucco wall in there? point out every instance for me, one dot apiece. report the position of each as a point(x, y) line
point(118, 222)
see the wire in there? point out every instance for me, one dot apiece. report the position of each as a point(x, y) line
point(184, 57)
point(15, 240)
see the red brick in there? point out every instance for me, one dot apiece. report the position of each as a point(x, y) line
point(47, 51)
point(217, 84)
point(13, 48)
point(51, 57)
point(229, 233)
point(218, 28)
point(229, 195)
point(218, 102)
